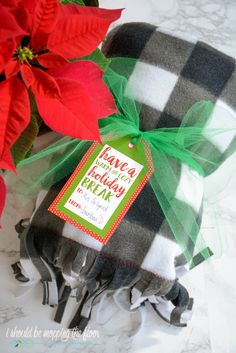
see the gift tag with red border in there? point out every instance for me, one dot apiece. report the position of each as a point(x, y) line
point(103, 186)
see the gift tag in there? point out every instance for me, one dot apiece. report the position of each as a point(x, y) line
point(103, 186)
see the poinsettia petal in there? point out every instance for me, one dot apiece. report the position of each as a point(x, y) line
point(73, 115)
point(44, 20)
point(30, 5)
point(44, 85)
point(39, 41)
point(14, 115)
point(66, 10)
point(7, 49)
point(78, 35)
point(3, 192)
point(73, 9)
point(6, 161)
point(27, 75)
point(10, 3)
point(50, 60)
point(90, 76)
point(45, 16)
point(78, 70)
point(12, 68)
point(22, 16)
point(9, 27)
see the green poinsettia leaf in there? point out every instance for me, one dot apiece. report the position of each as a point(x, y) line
point(81, 2)
point(98, 58)
point(77, 2)
point(91, 3)
point(23, 146)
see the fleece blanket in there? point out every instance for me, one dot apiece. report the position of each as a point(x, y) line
point(142, 257)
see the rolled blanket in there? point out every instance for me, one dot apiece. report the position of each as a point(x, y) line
point(172, 74)
point(142, 256)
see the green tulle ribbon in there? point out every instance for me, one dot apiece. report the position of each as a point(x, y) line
point(170, 149)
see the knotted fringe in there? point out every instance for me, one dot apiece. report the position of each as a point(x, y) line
point(88, 276)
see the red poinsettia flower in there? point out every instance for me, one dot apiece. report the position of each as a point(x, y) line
point(37, 39)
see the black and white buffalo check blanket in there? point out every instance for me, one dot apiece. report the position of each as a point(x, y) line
point(142, 258)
